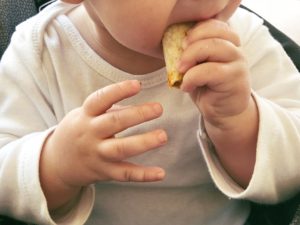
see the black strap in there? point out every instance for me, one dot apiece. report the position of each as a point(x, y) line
point(39, 3)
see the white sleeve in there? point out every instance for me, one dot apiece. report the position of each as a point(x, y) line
point(26, 119)
point(276, 89)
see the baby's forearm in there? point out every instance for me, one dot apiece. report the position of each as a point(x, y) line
point(235, 143)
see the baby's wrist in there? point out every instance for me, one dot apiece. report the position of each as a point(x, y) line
point(232, 125)
point(63, 210)
point(57, 191)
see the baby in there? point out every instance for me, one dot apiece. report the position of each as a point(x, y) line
point(90, 133)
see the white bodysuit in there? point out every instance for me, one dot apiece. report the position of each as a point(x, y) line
point(48, 70)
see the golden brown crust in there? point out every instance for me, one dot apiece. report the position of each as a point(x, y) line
point(172, 47)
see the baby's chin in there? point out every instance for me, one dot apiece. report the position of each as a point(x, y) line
point(159, 55)
point(158, 52)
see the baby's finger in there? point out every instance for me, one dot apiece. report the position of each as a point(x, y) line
point(208, 50)
point(120, 149)
point(228, 10)
point(211, 75)
point(128, 172)
point(113, 122)
point(100, 101)
point(117, 107)
point(211, 29)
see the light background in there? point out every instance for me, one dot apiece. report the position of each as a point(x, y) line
point(283, 14)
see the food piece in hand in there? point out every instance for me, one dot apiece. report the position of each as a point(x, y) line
point(172, 47)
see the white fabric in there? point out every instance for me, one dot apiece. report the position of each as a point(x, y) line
point(282, 14)
point(49, 70)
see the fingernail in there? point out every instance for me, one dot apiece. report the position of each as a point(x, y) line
point(136, 83)
point(184, 88)
point(161, 174)
point(162, 137)
point(181, 67)
point(184, 43)
point(157, 108)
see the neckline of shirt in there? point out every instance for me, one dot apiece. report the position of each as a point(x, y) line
point(103, 67)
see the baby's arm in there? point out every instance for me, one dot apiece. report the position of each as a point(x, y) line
point(83, 150)
point(217, 77)
point(235, 143)
point(275, 88)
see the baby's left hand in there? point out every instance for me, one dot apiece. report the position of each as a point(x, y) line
point(216, 72)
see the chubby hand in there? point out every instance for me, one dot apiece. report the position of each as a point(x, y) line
point(83, 149)
point(216, 72)
point(217, 78)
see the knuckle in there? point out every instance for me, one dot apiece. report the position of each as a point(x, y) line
point(119, 90)
point(133, 175)
point(115, 119)
point(216, 69)
point(143, 176)
point(119, 153)
point(149, 141)
point(215, 42)
point(101, 151)
point(127, 175)
point(223, 68)
point(98, 95)
point(241, 56)
point(237, 40)
point(225, 27)
point(141, 113)
point(145, 142)
point(232, 35)
point(112, 153)
point(93, 101)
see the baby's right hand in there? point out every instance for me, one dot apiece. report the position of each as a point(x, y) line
point(83, 150)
